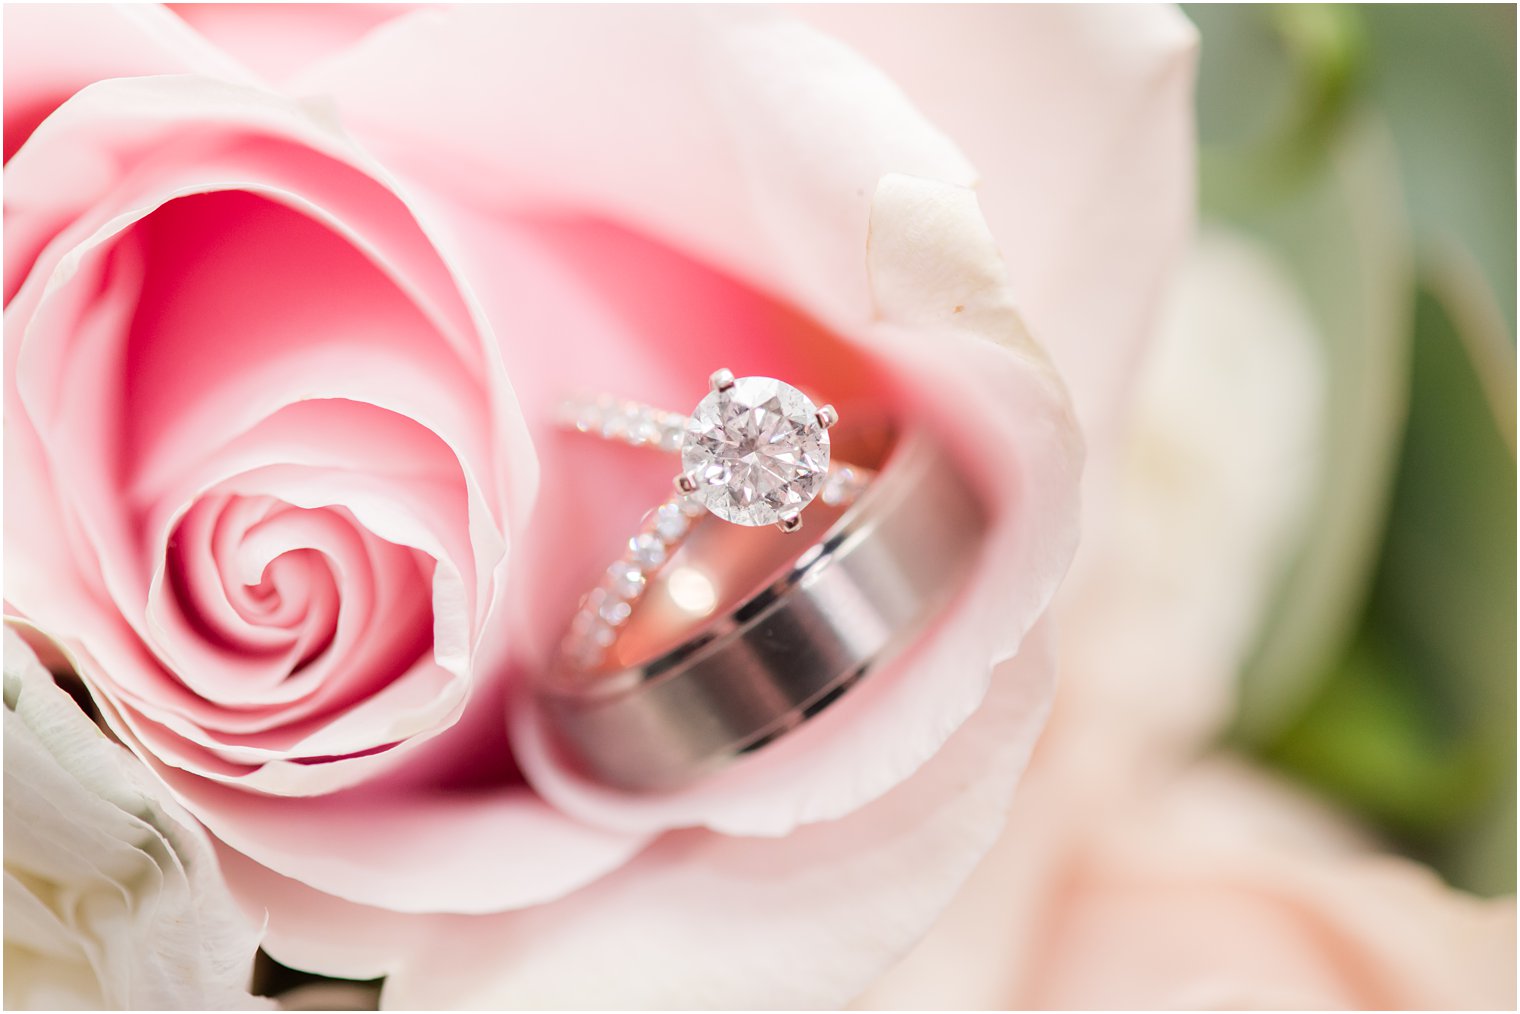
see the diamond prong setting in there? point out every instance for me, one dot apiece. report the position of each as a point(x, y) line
point(756, 450)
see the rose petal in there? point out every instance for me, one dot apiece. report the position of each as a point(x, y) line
point(878, 735)
point(1080, 123)
point(279, 41)
point(790, 129)
point(378, 511)
point(57, 49)
point(752, 210)
point(821, 916)
point(267, 146)
point(1311, 926)
point(483, 851)
point(97, 115)
point(1130, 916)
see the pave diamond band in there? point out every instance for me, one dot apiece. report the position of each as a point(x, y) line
point(628, 422)
point(608, 607)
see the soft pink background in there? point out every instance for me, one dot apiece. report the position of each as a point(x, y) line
point(285, 326)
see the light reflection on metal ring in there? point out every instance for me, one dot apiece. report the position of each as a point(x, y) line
point(763, 666)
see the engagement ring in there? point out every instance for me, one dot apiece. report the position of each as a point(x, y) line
point(709, 638)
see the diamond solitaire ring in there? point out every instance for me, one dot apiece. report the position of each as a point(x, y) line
point(713, 636)
point(754, 452)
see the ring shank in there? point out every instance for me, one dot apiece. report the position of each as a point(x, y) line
point(847, 605)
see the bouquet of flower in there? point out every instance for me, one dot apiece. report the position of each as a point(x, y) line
point(578, 507)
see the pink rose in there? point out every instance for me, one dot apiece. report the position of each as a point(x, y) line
point(285, 332)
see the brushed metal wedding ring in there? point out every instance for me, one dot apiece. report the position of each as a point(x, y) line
point(730, 637)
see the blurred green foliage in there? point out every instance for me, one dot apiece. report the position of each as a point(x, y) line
point(1374, 149)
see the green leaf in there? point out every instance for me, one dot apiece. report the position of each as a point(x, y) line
point(1416, 728)
point(1445, 80)
point(1345, 238)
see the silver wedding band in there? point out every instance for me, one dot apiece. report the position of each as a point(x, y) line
point(716, 687)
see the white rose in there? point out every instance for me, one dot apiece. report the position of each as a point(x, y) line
point(113, 898)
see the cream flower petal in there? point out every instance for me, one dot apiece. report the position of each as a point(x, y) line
point(1110, 892)
point(1312, 923)
point(1212, 489)
point(113, 896)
